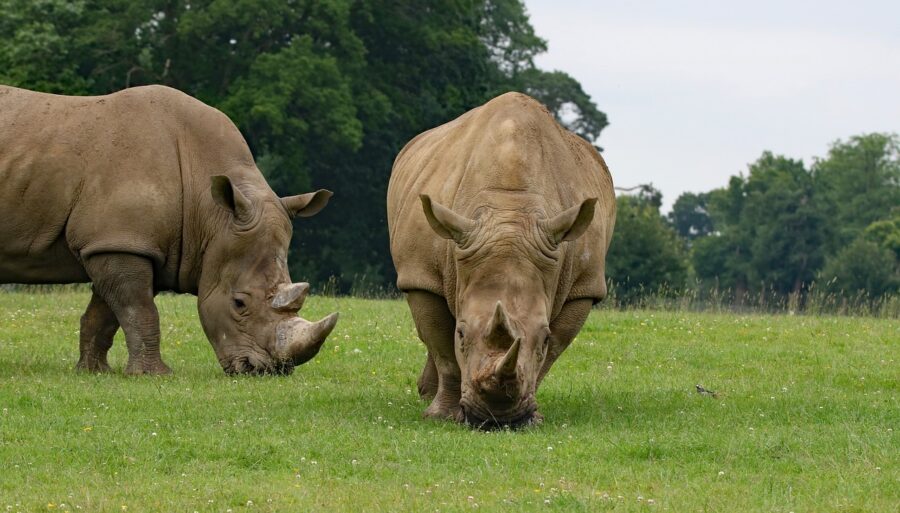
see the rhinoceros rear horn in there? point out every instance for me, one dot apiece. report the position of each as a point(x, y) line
point(307, 205)
point(290, 297)
point(500, 332)
point(298, 340)
point(571, 223)
point(445, 222)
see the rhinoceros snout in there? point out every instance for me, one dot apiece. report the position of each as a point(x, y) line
point(298, 340)
point(256, 364)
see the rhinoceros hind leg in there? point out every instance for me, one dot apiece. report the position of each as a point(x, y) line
point(98, 327)
point(125, 282)
point(428, 381)
point(436, 325)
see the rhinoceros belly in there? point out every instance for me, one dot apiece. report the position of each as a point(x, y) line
point(54, 264)
point(33, 247)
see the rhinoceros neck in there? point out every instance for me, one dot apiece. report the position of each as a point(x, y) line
point(205, 221)
point(193, 237)
point(209, 144)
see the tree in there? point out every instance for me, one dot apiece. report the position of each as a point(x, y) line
point(769, 232)
point(645, 253)
point(326, 92)
point(690, 216)
point(858, 183)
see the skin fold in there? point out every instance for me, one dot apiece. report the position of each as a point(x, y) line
point(147, 190)
point(499, 223)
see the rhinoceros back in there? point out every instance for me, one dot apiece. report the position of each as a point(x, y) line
point(88, 175)
point(511, 146)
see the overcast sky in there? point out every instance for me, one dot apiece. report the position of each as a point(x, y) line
point(695, 90)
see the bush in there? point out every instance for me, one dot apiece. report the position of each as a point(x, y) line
point(862, 267)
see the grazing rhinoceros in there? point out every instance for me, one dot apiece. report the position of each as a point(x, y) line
point(146, 190)
point(499, 224)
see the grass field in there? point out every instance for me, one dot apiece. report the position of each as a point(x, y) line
point(806, 419)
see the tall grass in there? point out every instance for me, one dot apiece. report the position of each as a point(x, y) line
point(812, 300)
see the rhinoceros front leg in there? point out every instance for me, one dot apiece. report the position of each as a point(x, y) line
point(125, 283)
point(98, 327)
point(563, 330)
point(436, 325)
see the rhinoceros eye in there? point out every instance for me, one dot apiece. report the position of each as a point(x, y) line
point(239, 304)
point(460, 333)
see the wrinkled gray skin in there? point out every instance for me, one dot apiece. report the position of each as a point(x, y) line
point(499, 224)
point(147, 190)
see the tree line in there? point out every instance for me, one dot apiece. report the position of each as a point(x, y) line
point(782, 228)
point(326, 92)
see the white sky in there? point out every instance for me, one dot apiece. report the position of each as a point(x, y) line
point(695, 90)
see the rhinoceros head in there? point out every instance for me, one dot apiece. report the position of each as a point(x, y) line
point(247, 302)
point(508, 263)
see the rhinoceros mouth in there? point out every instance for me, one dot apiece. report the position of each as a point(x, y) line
point(485, 421)
point(255, 366)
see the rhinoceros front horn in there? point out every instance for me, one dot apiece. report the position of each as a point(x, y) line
point(298, 340)
point(501, 332)
point(506, 366)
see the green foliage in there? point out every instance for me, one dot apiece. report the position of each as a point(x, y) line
point(769, 232)
point(870, 264)
point(690, 216)
point(37, 45)
point(298, 106)
point(862, 267)
point(326, 92)
point(645, 254)
point(885, 233)
point(719, 262)
point(782, 226)
point(858, 183)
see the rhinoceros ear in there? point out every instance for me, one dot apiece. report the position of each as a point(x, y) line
point(572, 223)
point(306, 205)
point(445, 222)
point(229, 197)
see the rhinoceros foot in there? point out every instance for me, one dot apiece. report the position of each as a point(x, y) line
point(138, 367)
point(442, 410)
point(94, 365)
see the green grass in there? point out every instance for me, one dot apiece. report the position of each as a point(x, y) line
point(806, 420)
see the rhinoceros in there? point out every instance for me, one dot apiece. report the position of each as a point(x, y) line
point(148, 190)
point(499, 225)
